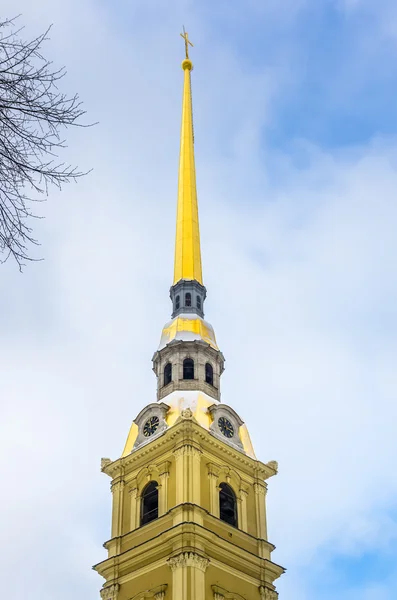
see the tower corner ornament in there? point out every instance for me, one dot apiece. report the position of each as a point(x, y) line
point(188, 492)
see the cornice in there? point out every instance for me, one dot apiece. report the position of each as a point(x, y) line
point(204, 535)
point(185, 426)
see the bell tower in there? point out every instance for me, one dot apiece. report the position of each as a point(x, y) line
point(189, 495)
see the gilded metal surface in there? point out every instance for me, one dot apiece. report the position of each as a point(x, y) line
point(187, 242)
point(188, 329)
point(185, 36)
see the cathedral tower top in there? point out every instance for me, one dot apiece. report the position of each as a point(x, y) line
point(189, 512)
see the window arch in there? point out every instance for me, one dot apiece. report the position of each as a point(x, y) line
point(227, 504)
point(198, 302)
point(188, 368)
point(188, 299)
point(167, 373)
point(177, 302)
point(150, 503)
point(209, 374)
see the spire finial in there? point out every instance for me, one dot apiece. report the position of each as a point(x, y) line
point(187, 42)
point(187, 247)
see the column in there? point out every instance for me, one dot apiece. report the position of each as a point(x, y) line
point(260, 489)
point(117, 488)
point(188, 576)
point(164, 473)
point(213, 475)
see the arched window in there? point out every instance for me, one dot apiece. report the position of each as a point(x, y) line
point(167, 373)
point(150, 503)
point(209, 374)
point(198, 302)
point(177, 302)
point(188, 299)
point(227, 505)
point(188, 368)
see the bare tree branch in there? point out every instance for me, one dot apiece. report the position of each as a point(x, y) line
point(32, 114)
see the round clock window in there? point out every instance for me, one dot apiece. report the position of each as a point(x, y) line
point(150, 426)
point(226, 427)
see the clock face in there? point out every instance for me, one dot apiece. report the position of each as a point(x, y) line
point(150, 426)
point(226, 427)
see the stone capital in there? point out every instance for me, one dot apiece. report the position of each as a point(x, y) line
point(117, 485)
point(267, 594)
point(110, 592)
point(187, 450)
point(188, 559)
point(164, 469)
point(213, 470)
point(260, 488)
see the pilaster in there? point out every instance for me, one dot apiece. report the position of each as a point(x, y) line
point(164, 473)
point(187, 464)
point(260, 489)
point(213, 476)
point(243, 508)
point(133, 491)
point(117, 488)
point(188, 576)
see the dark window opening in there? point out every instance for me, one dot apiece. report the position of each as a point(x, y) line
point(150, 503)
point(209, 374)
point(188, 299)
point(188, 368)
point(167, 373)
point(227, 505)
point(198, 302)
point(177, 302)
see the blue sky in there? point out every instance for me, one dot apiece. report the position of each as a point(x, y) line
point(296, 148)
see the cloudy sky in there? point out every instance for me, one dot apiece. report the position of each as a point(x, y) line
point(296, 145)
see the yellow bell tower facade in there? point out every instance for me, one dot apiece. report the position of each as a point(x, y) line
point(189, 495)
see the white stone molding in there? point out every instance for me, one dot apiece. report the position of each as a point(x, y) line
point(188, 559)
point(110, 592)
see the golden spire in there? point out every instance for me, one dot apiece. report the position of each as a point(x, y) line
point(187, 243)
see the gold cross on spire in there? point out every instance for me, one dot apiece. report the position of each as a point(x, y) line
point(187, 42)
